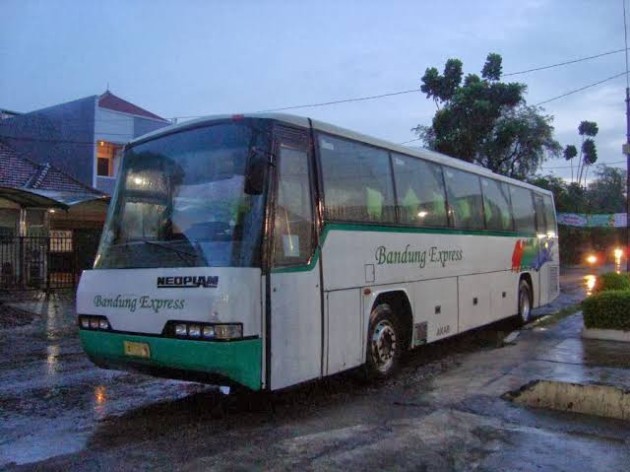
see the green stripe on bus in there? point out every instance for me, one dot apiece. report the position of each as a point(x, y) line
point(390, 229)
point(238, 360)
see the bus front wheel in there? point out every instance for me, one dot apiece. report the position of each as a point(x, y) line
point(524, 301)
point(384, 344)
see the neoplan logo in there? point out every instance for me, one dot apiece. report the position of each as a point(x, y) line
point(188, 281)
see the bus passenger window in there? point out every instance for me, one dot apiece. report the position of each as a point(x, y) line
point(464, 196)
point(358, 184)
point(523, 207)
point(420, 191)
point(496, 203)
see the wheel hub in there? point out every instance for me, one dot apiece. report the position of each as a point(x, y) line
point(383, 346)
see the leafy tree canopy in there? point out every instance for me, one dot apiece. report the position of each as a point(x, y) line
point(604, 194)
point(486, 121)
point(588, 128)
point(570, 151)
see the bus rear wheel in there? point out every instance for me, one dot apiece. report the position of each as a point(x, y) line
point(384, 344)
point(524, 302)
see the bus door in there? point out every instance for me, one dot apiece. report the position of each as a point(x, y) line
point(294, 314)
point(545, 261)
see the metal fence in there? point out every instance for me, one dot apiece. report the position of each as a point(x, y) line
point(45, 263)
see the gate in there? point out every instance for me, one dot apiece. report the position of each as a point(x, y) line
point(46, 263)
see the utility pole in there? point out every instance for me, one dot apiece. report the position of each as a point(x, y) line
point(626, 147)
point(626, 151)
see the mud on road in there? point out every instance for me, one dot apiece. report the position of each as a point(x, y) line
point(59, 412)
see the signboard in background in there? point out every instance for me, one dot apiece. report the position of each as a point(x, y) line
point(582, 220)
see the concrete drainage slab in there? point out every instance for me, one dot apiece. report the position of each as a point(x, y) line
point(591, 399)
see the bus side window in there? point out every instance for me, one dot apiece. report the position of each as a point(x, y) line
point(293, 223)
point(541, 225)
point(420, 192)
point(523, 208)
point(496, 202)
point(464, 197)
point(357, 181)
point(550, 215)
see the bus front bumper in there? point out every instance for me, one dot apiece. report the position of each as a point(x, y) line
point(236, 362)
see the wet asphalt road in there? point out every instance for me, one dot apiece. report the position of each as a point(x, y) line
point(59, 412)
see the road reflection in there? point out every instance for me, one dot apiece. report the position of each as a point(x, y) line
point(52, 360)
point(100, 401)
point(589, 283)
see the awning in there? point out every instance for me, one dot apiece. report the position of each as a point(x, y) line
point(36, 198)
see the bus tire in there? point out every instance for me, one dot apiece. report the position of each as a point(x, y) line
point(524, 301)
point(383, 344)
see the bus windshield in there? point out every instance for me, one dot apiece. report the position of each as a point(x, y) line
point(182, 201)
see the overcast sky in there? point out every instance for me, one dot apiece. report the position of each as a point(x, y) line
point(193, 58)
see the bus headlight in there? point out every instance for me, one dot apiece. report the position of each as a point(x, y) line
point(181, 330)
point(93, 322)
point(205, 331)
point(208, 332)
point(194, 331)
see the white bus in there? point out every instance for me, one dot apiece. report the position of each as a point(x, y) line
point(268, 250)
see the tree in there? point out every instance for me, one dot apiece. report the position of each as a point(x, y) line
point(570, 151)
point(560, 190)
point(606, 193)
point(486, 121)
point(588, 151)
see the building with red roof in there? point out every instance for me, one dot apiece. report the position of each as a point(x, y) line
point(82, 138)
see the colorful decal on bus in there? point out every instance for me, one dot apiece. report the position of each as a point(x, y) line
point(531, 254)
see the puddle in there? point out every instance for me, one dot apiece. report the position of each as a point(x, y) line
point(591, 399)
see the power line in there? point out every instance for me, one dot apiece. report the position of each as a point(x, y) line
point(580, 89)
point(44, 140)
point(385, 95)
point(557, 97)
point(346, 100)
point(609, 164)
point(536, 69)
point(402, 92)
point(395, 93)
point(410, 141)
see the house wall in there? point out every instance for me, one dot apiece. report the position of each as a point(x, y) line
point(62, 135)
point(119, 128)
point(144, 125)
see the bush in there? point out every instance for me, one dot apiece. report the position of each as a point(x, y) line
point(612, 281)
point(607, 310)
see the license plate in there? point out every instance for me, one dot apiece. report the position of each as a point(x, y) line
point(135, 349)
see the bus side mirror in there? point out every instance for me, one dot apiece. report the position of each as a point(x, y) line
point(256, 174)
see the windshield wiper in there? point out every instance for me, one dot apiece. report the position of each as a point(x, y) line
point(183, 255)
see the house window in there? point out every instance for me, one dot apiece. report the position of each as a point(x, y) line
point(107, 155)
point(61, 241)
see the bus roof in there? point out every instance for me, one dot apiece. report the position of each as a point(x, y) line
point(305, 122)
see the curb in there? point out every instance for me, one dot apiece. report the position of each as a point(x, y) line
point(606, 334)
